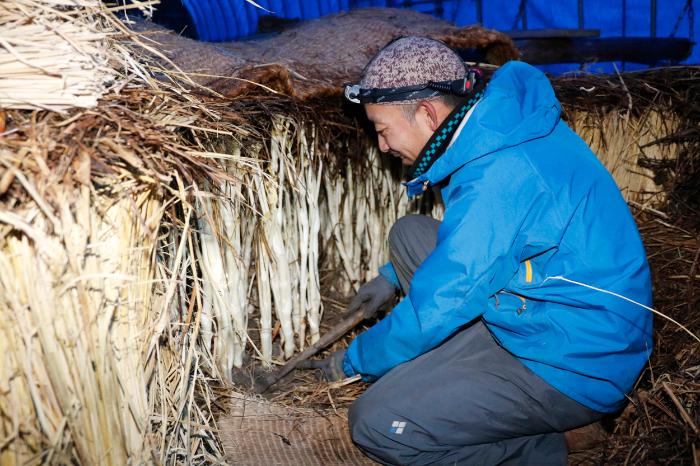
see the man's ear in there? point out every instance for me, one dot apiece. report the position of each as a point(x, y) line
point(429, 112)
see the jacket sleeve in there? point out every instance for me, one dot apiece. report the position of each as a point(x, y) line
point(486, 232)
point(387, 271)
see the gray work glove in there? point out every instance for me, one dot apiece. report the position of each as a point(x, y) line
point(373, 295)
point(331, 367)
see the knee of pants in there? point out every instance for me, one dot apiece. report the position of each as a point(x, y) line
point(409, 226)
point(359, 416)
point(372, 428)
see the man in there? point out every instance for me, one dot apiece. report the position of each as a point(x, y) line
point(508, 334)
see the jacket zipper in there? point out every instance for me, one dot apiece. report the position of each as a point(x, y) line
point(522, 308)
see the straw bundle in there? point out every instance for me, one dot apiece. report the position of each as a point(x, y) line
point(623, 143)
point(53, 54)
point(101, 361)
point(93, 362)
point(101, 355)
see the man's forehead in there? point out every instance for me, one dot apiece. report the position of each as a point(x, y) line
point(381, 113)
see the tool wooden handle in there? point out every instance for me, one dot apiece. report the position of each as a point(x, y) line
point(328, 338)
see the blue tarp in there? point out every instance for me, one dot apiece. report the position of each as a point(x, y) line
point(223, 20)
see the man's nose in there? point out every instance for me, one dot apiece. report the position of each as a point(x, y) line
point(383, 146)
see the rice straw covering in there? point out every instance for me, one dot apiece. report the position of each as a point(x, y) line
point(53, 54)
point(100, 361)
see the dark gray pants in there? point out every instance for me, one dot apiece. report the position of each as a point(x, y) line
point(468, 401)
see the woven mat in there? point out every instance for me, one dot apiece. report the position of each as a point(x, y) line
point(258, 432)
point(315, 58)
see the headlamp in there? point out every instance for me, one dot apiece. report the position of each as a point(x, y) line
point(352, 93)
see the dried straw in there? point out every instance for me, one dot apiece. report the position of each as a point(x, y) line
point(54, 54)
point(101, 363)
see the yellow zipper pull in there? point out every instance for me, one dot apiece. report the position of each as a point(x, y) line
point(528, 271)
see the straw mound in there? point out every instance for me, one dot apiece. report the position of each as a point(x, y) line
point(99, 357)
point(660, 426)
point(100, 360)
point(639, 124)
point(317, 57)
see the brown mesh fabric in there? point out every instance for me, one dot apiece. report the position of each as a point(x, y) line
point(258, 432)
point(317, 57)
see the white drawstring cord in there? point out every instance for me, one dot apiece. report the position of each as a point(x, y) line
point(559, 277)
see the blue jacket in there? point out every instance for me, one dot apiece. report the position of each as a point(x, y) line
point(526, 204)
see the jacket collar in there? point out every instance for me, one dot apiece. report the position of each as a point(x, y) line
point(518, 105)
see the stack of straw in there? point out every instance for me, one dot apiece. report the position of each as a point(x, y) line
point(622, 142)
point(53, 54)
point(142, 238)
point(101, 360)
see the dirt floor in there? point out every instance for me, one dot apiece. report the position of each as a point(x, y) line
point(305, 388)
point(300, 420)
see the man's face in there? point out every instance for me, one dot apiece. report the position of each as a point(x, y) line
point(401, 136)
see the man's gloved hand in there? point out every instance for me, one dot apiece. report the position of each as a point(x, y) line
point(372, 295)
point(332, 366)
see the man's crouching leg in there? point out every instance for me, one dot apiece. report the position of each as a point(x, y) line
point(411, 240)
point(368, 427)
point(468, 401)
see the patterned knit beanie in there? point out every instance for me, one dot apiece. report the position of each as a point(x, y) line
point(412, 60)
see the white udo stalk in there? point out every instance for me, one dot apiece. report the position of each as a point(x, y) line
point(273, 224)
point(207, 312)
point(347, 226)
point(303, 245)
point(292, 221)
point(231, 245)
point(262, 267)
point(313, 188)
point(377, 199)
point(264, 301)
point(246, 228)
point(303, 275)
point(307, 208)
point(334, 189)
point(213, 271)
point(360, 244)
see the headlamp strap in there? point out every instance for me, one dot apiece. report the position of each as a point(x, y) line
point(460, 87)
